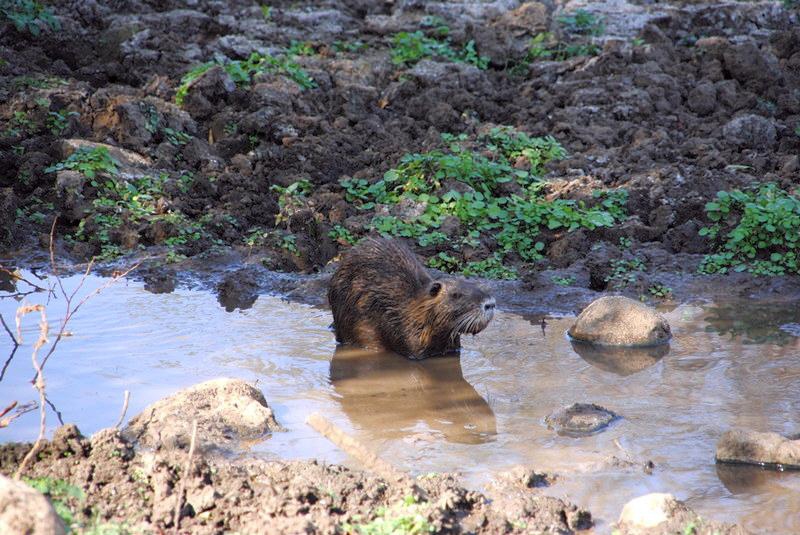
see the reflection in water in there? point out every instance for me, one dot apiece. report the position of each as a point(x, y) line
point(389, 395)
point(747, 479)
point(620, 360)
point(761, 324)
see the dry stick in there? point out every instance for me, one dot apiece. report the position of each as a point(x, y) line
point(176, 517)
point(38, 382)
point(16, 276)
point(124, 408)
point(24, 409)
point(355, 449)
point(8, 362)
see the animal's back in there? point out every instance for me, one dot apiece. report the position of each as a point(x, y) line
point(369, 291)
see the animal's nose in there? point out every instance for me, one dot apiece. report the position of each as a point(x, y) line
point(489, 305)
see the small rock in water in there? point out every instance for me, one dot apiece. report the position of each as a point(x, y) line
point(580, 420)
point(770, 450)
point(25, 510)
point(620, 321)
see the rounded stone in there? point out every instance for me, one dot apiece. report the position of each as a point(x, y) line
point(580, 420)
point(25, 510)
point(620, 321)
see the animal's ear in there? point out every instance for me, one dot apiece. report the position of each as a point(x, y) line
point(435, 288)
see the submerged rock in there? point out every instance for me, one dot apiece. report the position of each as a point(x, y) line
point(766, 449)
point(24, 510)
point(580, 420)
point(620, 321)
point(226, 410)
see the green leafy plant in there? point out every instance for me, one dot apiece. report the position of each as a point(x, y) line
point(755, 230)
point(242, 72)
point(410, 47)
point(797, 130)
point(60, 493)
point(176, 137)
point(342, 235)
point(291, 198)
point(58, 121)
point(88, 161)
point(408, 517)
point(482, 205)
point(20, 123)
point(349, 46)
point(660, 291)
point(266, 11)
point(30, 16)
point(301, 48)
point(583, 22)
point(563, 281)
point(623, 272)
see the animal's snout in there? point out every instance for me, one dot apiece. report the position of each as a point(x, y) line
point(489, 304)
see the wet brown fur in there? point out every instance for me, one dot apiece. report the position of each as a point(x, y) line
point(383, 297)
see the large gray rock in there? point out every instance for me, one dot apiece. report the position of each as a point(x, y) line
point(741, 446)
point(620, 321)
point(226, 410)
point(25, 510)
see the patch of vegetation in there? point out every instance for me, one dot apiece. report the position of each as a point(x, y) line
point(342, 235)
point(242, 72)
point(349, 46)
point(58, 121)
point(88, 161)
point(30, 16)
point(623, 272)
point(301, 48)
point(797, 130)
point(19, 124)
point(38, 82)
point(410, 47)
point(266, 11)
point(660, 291)
point(407, 517)
point(482, 203)
point(582, 22)
point(755, 230)
point(291, 198)
point(563, 281)
point(60, 493)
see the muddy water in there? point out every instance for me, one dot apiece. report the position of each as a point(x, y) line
point(732, 364)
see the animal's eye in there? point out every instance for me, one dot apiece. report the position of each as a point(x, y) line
point(435, 289)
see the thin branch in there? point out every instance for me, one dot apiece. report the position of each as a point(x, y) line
point(55, 410)
point(23, 409)
point(8, 362)
point(124, 408)
point(176, 517)
point(5, 326)
point(38, 382)
point(16, 276)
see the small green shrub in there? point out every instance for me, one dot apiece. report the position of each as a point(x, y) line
point(563, 281)
point(88, 161)
point(349, 46)
point(623, 272)
point(409, 48)
point(242, 72)
point(408, 517)
point(582, 22)
point(342, 235)
point(30, 16)
point(755, 230)
point(58, 121)
point(660, 291)
point(301, 48)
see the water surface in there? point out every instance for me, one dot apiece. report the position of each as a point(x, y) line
point(730, 364)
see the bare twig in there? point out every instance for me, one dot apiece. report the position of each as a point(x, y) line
point(176, 517)
point(355, 449)
point(16, 276)
point(38, 381)
point(124, 408)
point(5, 422)
point(13, 338)
point(8, 362)
point(55, 410)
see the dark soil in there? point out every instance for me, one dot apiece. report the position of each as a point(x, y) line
point(140, 491)
point(681, 102)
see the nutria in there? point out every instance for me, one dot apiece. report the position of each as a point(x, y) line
point(382, 297)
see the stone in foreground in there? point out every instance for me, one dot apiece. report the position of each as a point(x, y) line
point(226, 410)
point(25, 510)
point(766, 449)
point(620, 321)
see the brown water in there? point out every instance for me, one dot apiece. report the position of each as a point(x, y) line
point(736, 364)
